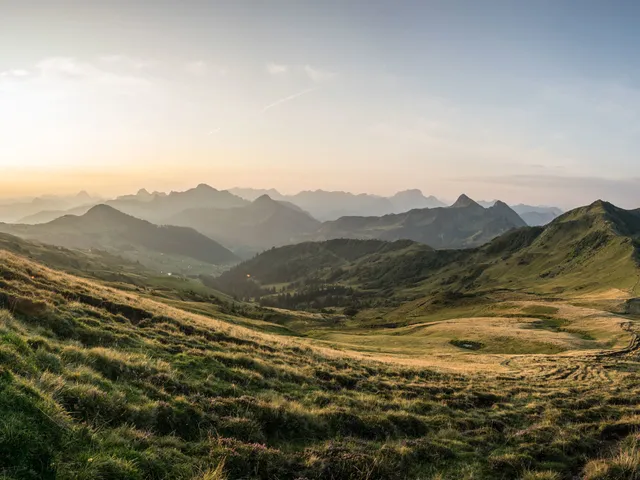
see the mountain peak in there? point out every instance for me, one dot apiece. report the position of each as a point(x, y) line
point(505, 211)
point(413, 199)
point(602, 207)
point(203, 187)
point(101, 214)
point(410, 193)
point(102, 210)
point(601, 204)
point(264, 200)
point(143, 192)
point(500, 204)
point(83, 195)
point(464, 201)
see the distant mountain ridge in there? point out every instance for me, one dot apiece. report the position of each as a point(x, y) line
point(143, 195)
point(464, 224)
point(15, 211)
point(267, 223)
point(412, 199)
point(322, 205)
point(533, 215)
point(251, 227)
point(589, 249)
point(153, 207)
point(246, 229)
point(252, 194)
point(262, 224)
point(47, 216)
point(537, 215)
point(106, 228)
point(161, 206)
point(331, 205)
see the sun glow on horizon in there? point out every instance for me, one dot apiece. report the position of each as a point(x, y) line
point(304, 101)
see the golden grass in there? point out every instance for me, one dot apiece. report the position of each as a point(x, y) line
point(421, 344)
point(350, 391)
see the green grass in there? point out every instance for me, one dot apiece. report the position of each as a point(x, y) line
point(535, 310)
point(552, 324)
point(589, 250)
point(103, 383)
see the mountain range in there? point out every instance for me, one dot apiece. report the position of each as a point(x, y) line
point(327, 205)
point(462, 225)
point(322, 205)
point(153, 207)
point(533, 215)
point(537, 215)
point(104, 227)
point(247, 228)
point(251, 228)
point(266, 223)
point(124, 381)
point(15, 211)
point(592, 248)
point(449, 362)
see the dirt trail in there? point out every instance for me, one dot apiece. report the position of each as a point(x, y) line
point(634, 344)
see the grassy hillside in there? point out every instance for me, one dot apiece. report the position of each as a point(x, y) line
point(105, 228)
point(586, 250)
point(590, 248)
point(95, 383)
point(94, 264)
point(307, 266)
point(313, 258)
point(124, 275)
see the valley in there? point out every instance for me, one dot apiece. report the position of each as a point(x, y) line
point(340, 359)
point(307, 240)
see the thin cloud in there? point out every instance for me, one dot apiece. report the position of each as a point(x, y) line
point(127, 61)
point(201, 68)
point(319, 75)
point(315, 74)
point(16, 73)
point(277, 69)
point(265, 109)
point(288, 99)
point(197, 67)
point(70, 69)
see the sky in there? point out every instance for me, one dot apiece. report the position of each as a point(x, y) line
point(534, 102)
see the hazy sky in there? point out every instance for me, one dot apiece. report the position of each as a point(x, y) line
point(534, 101)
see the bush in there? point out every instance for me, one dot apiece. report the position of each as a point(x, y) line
point(351, 311)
